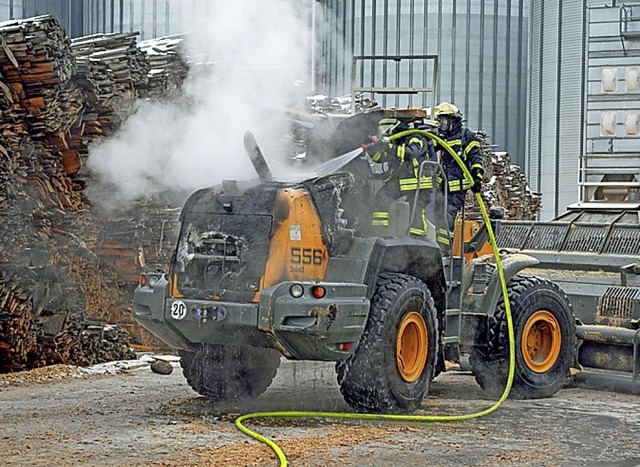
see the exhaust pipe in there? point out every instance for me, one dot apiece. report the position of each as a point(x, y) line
point(257, 158)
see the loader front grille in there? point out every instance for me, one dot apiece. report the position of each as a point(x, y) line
point(546, 237)
point(619, 302)
point(624, 239)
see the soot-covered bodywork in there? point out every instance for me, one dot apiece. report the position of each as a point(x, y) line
point(240, 251)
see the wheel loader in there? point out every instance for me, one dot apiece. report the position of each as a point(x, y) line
point(269, 269)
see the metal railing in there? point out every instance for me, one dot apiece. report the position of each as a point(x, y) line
point(401, 74)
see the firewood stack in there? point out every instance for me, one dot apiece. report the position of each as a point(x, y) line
point(99, 86)
point(141, 236)
point(504, 185)
point(168, 68)
point(45, 299)
point(17, 333)
point(120, 53)
point(110, 70)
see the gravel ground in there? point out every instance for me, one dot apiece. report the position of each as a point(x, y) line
point(63, 416)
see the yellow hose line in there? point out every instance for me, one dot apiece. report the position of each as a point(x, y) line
point(406, 418)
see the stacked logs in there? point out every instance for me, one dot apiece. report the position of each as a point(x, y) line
point(56, 293)
point(17, 333)
point(168, 69)
point(504, 185)
point(32, 335)
point(110, 69)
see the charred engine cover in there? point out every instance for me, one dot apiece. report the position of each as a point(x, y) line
point(224, 242)
point(225, 237)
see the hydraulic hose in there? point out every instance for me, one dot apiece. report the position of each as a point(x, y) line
point(407, 418)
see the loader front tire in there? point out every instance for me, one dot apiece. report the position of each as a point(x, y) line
point(224, 372)
point(393, 365)
point(544, 337)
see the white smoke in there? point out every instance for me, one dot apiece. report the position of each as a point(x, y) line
point(255, 51)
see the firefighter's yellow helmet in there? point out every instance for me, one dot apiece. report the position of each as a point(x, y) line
point(446, 108)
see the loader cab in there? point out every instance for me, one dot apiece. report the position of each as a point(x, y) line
point(469, 240)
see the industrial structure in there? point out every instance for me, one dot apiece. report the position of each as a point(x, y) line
point(553, 83)
point(482, 49)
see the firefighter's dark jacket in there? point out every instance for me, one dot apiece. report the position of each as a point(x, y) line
point(465, 144)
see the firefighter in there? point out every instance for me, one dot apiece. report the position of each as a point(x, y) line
point(402, 159)
point(464, 142)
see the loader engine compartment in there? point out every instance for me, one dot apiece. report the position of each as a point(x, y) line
point(226, 233)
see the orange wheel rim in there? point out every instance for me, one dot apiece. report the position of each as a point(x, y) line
point(411, 347)
point(541, 341)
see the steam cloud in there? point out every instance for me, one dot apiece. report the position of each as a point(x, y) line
point(256, 50)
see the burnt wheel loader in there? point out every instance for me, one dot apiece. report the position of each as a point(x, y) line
point(268, 268)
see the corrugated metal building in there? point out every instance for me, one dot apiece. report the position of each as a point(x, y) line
point(584, 102)
point(481, 45)
point(152, 18)
point(555, 119)
point(610, 162)
point(68, 12)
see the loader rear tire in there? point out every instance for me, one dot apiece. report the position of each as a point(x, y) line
point(393, 365)
point(544, 336)
point(224, 372)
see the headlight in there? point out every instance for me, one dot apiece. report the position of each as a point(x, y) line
point(153, 280)
point(296, 291)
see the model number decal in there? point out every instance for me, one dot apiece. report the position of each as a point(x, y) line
point(178, 310)
point(306, 256)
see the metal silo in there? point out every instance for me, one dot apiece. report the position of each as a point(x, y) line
point(481, 45)
point(556, 115)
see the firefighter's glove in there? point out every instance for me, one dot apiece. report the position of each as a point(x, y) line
point(477, 174)
point(376, 150)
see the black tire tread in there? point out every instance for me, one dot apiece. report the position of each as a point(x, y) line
point(490, 363)
point(368, 391)
point(223, 373)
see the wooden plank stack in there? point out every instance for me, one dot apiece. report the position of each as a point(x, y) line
point(168, 68)
point(110, 70)
point(56, 293)
point(504, 185)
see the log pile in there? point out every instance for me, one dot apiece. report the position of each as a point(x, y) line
point(32, 336)
point(110, 70)
point(119, 52)
point(168, 68)
point(56, 293)
point(504, 185)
